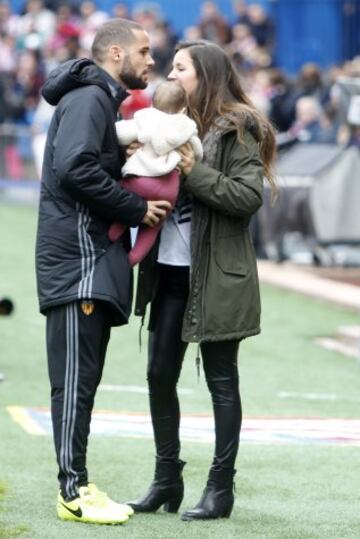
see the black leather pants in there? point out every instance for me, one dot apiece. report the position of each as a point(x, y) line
point(166, 354)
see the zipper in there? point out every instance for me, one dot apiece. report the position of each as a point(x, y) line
point(198, 361)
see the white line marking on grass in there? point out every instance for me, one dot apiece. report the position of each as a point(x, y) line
point(315, 396)
point(336, 346)
point(272, 430)
point(136, 389)
point(349, 332)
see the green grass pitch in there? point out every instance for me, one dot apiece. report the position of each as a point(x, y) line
point(284, 491)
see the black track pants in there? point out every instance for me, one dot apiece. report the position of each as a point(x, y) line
point(166, 354)
point(76, 347)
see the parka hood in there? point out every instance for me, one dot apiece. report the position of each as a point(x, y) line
point(70, 75)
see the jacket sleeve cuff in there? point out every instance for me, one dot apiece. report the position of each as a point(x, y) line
point(197, 172)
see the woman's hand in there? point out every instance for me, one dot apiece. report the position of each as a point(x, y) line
point(187, 158)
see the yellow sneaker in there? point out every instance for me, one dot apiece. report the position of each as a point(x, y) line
point(89, 507)
point(122, 507)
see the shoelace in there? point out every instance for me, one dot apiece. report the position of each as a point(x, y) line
point(100, 494)
point(95, 498)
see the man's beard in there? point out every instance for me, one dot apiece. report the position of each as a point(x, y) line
point(129, 77)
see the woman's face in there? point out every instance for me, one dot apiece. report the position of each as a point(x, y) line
point(183, 71)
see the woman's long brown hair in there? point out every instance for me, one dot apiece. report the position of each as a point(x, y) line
point(219, 93)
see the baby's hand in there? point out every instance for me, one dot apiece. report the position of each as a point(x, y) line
point(132, 148)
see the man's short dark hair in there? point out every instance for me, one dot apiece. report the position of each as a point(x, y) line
point(113, 32)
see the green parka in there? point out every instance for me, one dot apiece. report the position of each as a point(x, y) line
point(224, 299)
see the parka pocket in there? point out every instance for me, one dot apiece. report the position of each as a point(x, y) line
point(230, 256)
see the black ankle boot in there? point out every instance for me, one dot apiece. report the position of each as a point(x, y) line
point(167, 489)
point(218, 497)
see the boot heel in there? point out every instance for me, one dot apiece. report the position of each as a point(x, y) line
point(172, 506)
point(227, 513)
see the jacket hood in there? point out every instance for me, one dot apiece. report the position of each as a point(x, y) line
point(70, 75)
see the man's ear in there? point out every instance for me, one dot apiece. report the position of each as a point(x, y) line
point(116, 53)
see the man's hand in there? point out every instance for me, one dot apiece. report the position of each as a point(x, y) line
point(157, 210)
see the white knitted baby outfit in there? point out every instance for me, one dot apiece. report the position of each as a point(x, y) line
point(160, 133)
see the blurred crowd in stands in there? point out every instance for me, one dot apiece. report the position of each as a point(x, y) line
point(311, 107)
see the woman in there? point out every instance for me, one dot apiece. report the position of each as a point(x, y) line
point(203, 284)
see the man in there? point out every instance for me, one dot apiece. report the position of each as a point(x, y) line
point(84, 281)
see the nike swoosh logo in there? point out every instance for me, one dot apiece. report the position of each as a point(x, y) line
point(76, 512)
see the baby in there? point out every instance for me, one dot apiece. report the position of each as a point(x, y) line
point(151, 170)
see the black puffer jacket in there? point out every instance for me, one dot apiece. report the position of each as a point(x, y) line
point(80, 196)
